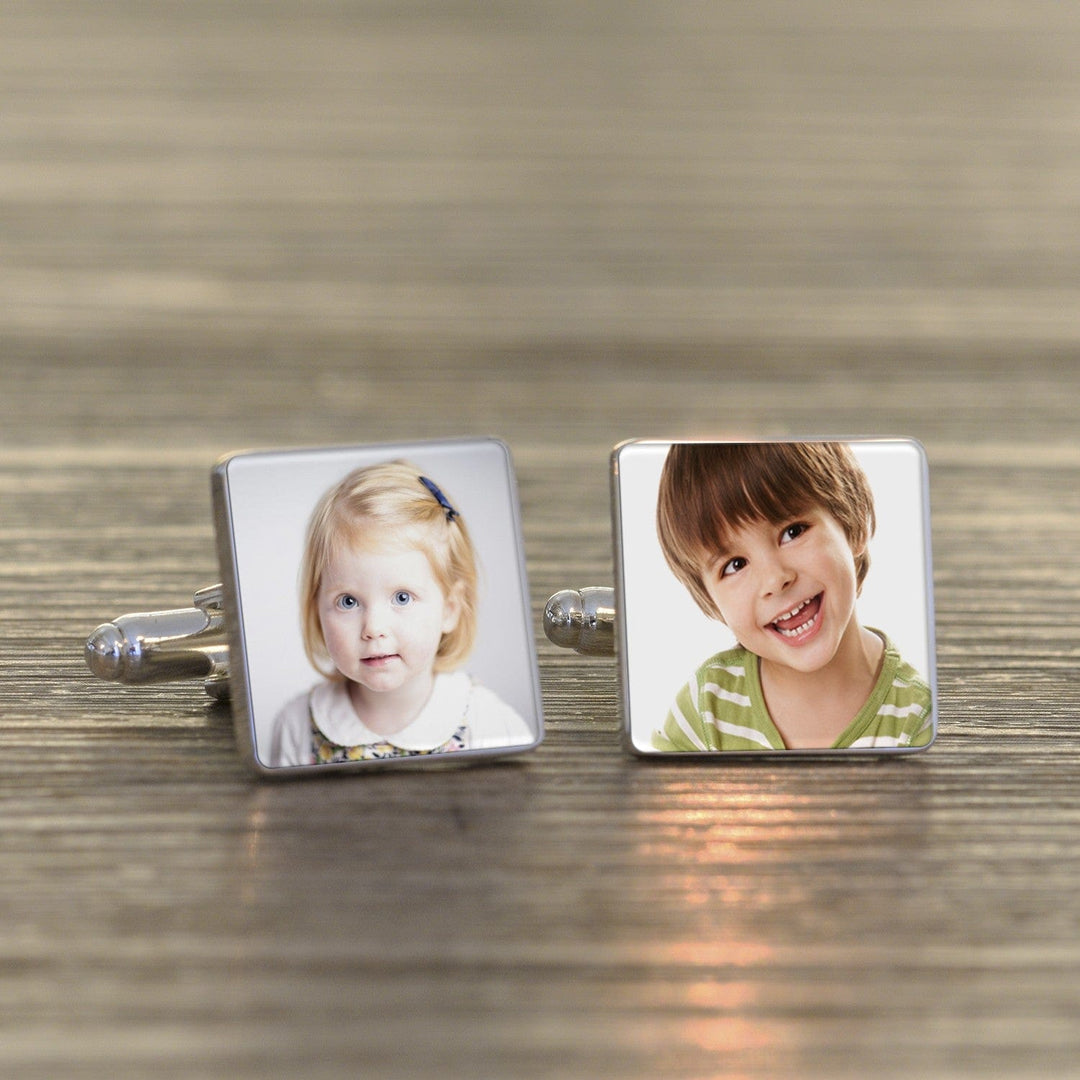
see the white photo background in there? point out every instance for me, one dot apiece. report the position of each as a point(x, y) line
point(271, 498)
point(667, 636)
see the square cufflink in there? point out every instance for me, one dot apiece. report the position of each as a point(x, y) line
point(373, 609)
point(770, 596)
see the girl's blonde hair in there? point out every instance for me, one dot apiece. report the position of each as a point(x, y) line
point(391, 505)
point(708, 490)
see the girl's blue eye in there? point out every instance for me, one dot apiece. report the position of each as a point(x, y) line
point(401, 597)
point(347, 602)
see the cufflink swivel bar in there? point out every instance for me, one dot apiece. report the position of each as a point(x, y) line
point(159, 646)
point(582, 620)
point(190, 643)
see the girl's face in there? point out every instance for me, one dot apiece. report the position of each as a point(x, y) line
point(383, 615)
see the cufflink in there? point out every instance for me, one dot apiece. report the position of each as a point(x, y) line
point(769, 596)
point(373, 609)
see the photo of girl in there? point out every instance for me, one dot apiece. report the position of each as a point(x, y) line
point(388, 613)
point(382, 607)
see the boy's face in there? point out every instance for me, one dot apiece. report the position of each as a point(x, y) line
point(787, 592)
point(383, 614)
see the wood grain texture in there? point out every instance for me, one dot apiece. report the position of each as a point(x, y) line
point(227, 225)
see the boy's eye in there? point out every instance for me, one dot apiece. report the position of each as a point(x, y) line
point(732, 566)
point(402, 597)
point(793, 532)
point(347, 602)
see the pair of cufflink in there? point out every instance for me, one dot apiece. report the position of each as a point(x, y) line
point(743, 615)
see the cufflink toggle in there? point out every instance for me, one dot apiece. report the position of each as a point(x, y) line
point(582, 620)
point(160, 646)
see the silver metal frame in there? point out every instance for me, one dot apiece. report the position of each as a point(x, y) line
point(207, 641)
point(592, 620)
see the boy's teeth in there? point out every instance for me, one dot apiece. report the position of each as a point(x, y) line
point(792, 613)
point(794, 631)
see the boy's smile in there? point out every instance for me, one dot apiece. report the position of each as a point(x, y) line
point(797, 624)
point(787, 591)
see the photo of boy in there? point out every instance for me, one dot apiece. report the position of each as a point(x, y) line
point(771, 539)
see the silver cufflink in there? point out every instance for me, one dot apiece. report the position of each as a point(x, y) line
point(769, 596)
point(373, 609)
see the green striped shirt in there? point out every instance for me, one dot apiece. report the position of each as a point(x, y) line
point(723, 708)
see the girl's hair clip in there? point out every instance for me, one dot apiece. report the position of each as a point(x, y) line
point(442, 500)
point(243, 638)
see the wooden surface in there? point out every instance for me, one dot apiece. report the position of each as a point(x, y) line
point(226, 225)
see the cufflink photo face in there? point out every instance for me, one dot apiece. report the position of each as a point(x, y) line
point(774, 596)
point(379, 605)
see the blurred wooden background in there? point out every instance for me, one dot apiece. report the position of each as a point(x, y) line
point(565, 223)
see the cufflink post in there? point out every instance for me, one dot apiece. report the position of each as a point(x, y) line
point(582, 620)
point(161, 646)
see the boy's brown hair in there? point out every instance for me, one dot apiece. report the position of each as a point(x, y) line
point(709, 489)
